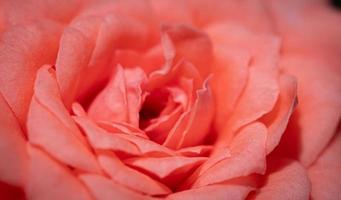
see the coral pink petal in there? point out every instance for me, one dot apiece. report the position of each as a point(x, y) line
point(35, 45)
point(277, 120)
point(105, 189)
point(148, 147)
point(236, 192)
point(200, 150)
point(101, 139)
point(195, 121)
point(46, 130)
point(230, 78)
point(47, 179)
point(288, 181)
point(324, 174)
point(165, 166)
point(121, 100)
point(131, 178)
point(76, 46)
point(192, 45)
point(13, 162)
point(247, 157)
point(314, 92)
point(18, 12)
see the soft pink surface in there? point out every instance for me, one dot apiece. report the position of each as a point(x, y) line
point(150, 99)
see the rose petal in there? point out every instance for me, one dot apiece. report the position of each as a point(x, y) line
point(105, 189)
point(247, 157)
point(148, 147)
point(324, 174)
point(49, 180)
point(130, 177)
point(286, 182)
point(195, 121)
point(229, 80)
point(76, 47)
point(121, 100)
point(236, 192)
point(101, 139)
point(165, 166)
point(23, 49)
point(13, 162)
point(201, 150)
point(312, 130)
point(191, 44)
point(48, 131)
point(261, 87)
point(277, 120)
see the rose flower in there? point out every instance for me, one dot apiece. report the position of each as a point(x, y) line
point(170, 99)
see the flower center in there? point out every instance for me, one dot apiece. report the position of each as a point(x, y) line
point(152, 106)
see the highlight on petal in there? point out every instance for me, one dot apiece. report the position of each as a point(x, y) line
point(23, 49)
point(131, 178)
point(13, 162)
point(47, 179)
point(247, 157)
point(324, 174)
point(288, 180)
point(104, 189)
point(47, 130)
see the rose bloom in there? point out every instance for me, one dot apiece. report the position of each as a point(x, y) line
point(170, 99)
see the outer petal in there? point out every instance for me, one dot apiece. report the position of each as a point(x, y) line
point(48, 129)
point(105, 189)
point(311, 52)
point(319, 87)
point(49, 180)
point(13, 162)
point(247, 157)
point(325, 174)
point(288, 181)
point(23, 49)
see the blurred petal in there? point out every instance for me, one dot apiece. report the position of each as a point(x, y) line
point(23, 49)
point(13, 162)
point(324, 174)
point(201, 150)
point(47, 179)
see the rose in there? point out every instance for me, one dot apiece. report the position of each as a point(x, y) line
point(214, 86)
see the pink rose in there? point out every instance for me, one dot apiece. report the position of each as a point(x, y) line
point(197, 99)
